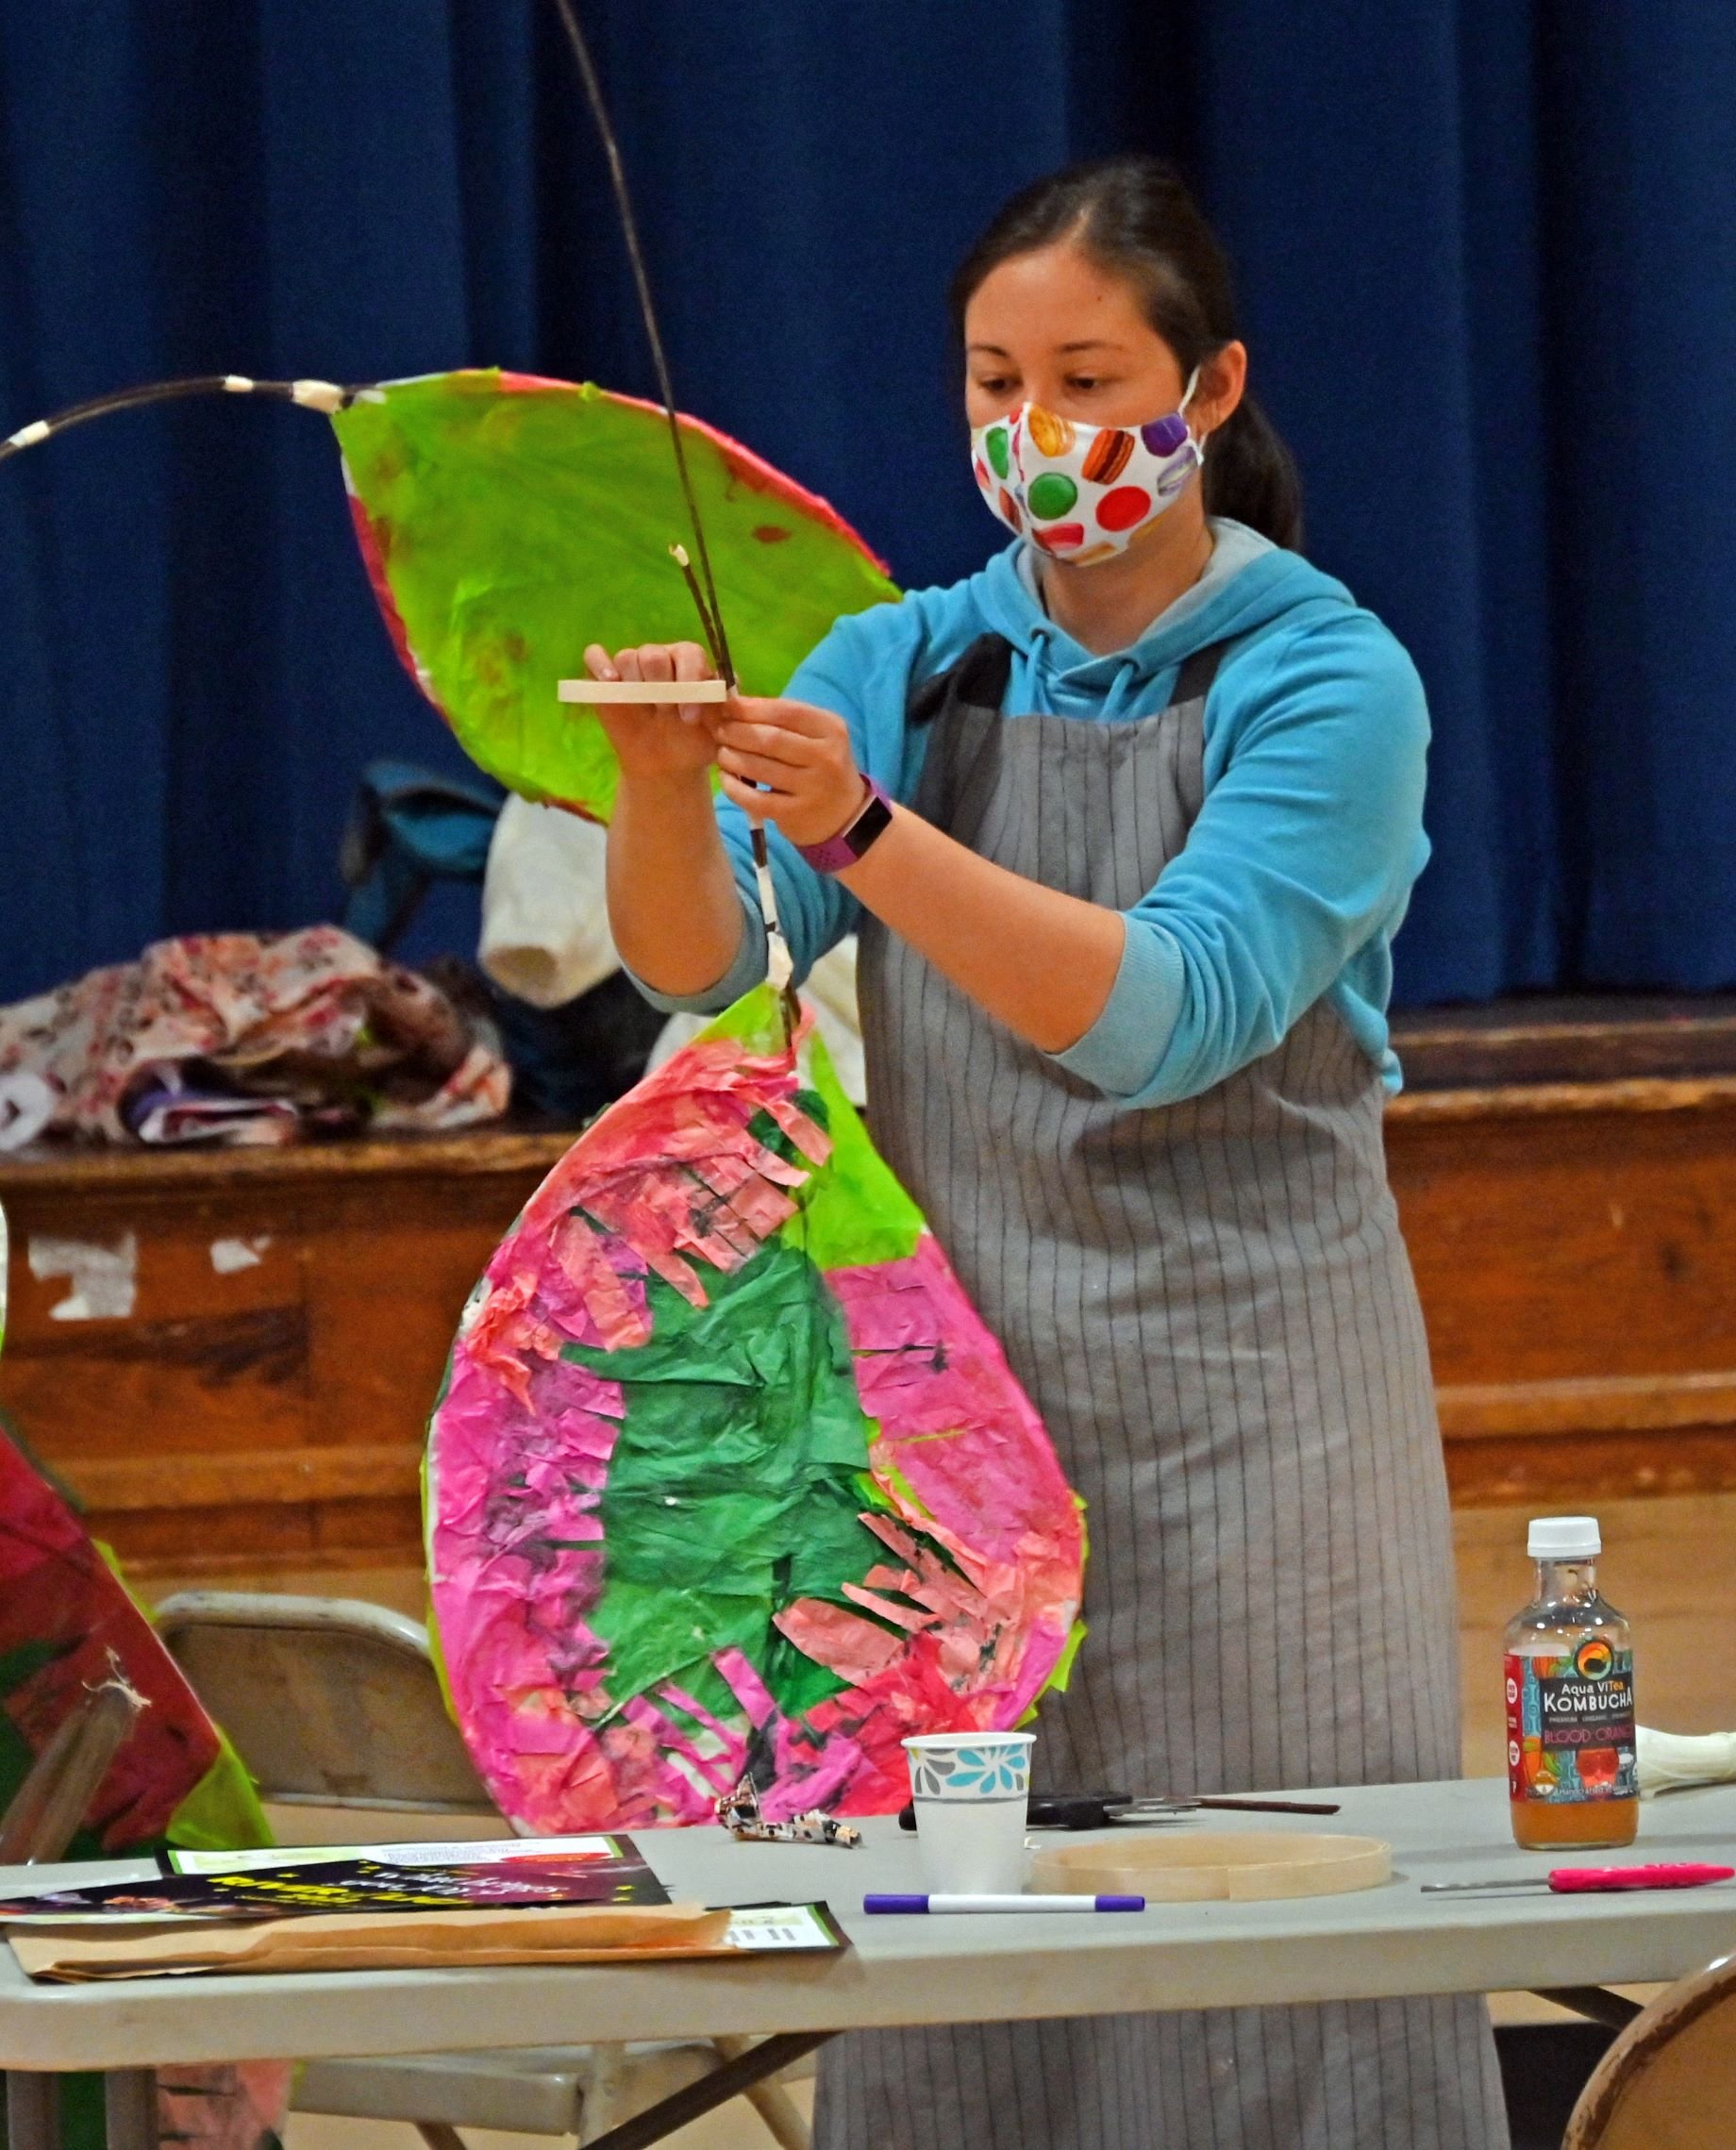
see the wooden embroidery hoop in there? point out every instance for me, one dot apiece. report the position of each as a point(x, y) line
point(1249, 1866)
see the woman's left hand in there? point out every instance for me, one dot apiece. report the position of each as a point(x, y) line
point(802, 754)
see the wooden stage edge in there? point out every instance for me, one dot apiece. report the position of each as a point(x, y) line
point(247, 1384)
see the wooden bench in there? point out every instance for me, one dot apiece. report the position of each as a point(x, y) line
point(1566, 1174)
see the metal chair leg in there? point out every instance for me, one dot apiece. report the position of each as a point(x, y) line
point(130, 2102)
point(32, 2111)
point(771, 2101)
point(756, 2065)
point(605, 2103)
point(1595, 2003)
point(438, 2135)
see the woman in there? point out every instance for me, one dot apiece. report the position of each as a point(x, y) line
point(1127, 821)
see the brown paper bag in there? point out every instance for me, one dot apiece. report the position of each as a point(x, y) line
point(378, 1941)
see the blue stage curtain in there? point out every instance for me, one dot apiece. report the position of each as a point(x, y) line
point(1489, 279)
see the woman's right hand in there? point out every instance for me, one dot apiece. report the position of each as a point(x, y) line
point(657, 742)
point(673, 902)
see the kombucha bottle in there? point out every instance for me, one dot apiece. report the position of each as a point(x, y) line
point(1570, 1751)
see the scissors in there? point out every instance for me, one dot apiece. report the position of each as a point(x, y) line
point(1120, 1809)
point(1593, 1880)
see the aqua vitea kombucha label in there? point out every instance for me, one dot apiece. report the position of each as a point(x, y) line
point(1570, 1726)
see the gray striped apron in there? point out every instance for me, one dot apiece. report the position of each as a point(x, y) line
point(1211, 1305)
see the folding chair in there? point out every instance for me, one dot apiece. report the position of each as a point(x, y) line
point(333, 1702)
point(1669, 2080)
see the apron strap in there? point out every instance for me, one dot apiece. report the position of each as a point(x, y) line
point(1193, 681)
point(979, 679)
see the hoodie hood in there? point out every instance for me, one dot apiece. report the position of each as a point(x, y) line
point(1249, 585)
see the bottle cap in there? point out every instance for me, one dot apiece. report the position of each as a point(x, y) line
point(1565, 1538)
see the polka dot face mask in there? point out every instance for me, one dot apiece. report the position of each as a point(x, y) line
point(1082, 493)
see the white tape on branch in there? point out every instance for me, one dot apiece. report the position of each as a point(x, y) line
point(779, 965)
point(319, 395)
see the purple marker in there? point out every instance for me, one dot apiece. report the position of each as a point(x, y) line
point(896, 1905)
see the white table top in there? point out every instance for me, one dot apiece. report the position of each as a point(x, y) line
point(1387, 1940)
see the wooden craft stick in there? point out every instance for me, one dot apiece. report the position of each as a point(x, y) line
point(643, 691)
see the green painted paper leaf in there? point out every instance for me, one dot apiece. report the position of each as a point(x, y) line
point(507, 522)
point(857, 1214)
point(222, 1812)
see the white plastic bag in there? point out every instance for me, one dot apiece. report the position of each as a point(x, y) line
point(1669, 1760)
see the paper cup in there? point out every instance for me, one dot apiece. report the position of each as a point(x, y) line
point(972, 1791)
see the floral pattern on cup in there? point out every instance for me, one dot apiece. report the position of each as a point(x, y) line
point(987, 1771)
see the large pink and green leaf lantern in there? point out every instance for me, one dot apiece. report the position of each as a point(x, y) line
point(726, 1472)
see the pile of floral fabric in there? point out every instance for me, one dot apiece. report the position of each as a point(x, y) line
point(242, 1037)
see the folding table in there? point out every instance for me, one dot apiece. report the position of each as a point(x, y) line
point(1389, 1940)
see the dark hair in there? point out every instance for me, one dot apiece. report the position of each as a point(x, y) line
point(1134, 216)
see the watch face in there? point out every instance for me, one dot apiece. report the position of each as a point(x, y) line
point(869, 823)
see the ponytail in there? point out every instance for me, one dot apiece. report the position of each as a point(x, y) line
point(1135, 217)
point(1251, 476)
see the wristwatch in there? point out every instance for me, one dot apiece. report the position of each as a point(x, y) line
point(853, 839)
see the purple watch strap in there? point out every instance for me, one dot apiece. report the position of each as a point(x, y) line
point(845, 848)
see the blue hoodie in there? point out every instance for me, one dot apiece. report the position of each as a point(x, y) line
point(1297, 872)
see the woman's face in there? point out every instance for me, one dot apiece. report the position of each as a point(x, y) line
point(1053, 327)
